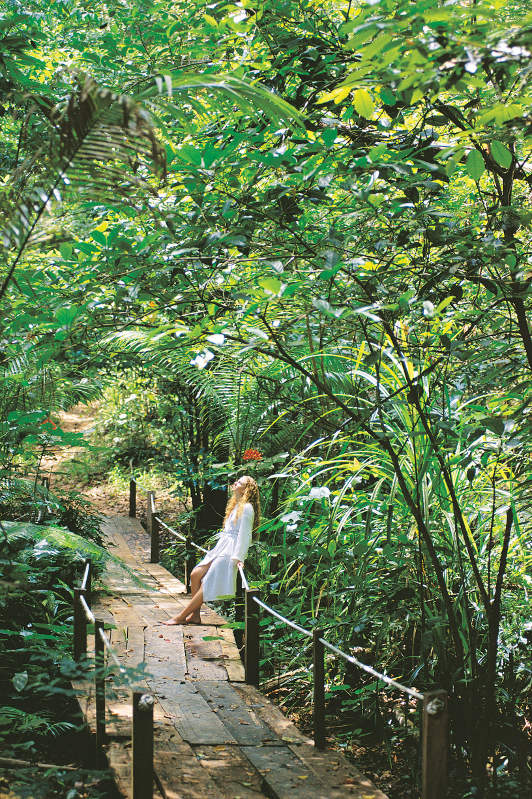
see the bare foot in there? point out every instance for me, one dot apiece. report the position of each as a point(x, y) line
point(175, 620)
point(194, 618)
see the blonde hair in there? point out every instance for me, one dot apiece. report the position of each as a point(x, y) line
point(251, 495)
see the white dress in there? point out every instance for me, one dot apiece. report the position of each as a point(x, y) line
point(232, 546)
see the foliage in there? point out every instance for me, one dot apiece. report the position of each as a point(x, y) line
point(314, 243)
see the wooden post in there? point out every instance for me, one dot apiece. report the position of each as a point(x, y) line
point(239, 613)
point(155, 541)
point(80, 625)
point(149, 515)
point(252, 650)
point(99, 690)
point(88, 584)
point(142, 772)
point(149, 495)
point(189, 561)
point(318, 706)
point(434, 745)
point(132, 498)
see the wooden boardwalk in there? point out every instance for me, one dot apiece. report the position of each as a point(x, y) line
point(214, 736)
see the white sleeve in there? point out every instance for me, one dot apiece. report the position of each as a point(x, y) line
point(244, 533)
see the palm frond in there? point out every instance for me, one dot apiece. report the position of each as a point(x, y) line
point(248, 95)
point(98, 141)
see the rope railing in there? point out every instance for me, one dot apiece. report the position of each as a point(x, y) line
point(245, 583)
point(277, 615)
point(142, 773)
point(434, 724)
point(112, 654)
point(180, 536)
point(369, 670)
point(86, 575)
point(89, 615)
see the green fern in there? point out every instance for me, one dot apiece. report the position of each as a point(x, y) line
point(21, 722)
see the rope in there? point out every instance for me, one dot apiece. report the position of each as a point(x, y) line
point(410, 691)
point(245, 583)
point(88, 612)
point(178, 535)
point(139, 485)
point(373, 672)
point(85, 577)
point(107, 645)
point(282, 618)
point(349, 658)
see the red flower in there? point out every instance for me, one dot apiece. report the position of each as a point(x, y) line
point(49, 421)
point(252, 455)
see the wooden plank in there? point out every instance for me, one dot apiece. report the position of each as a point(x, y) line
point(236, 716)
point(119, 547)
point(204, 658)
point(134, 654)
point(212, 738)
point(231, 656)
point(119, 757)
point(172, 584)
point(120, 706)
point(231, 771)
point(118, 638)
point(165, 657)
point(170, 606)
point(192, 717)
point(210, 617)
point(270, 714)
point(334, 770)
point(182, 777)
point(285, 775)
point(147, 611)
point(125, 615)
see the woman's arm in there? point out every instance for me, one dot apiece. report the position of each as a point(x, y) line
point(244, 533)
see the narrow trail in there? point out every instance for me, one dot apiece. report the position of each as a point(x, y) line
point(67, 468)
point(214, 736)
point(64, 465)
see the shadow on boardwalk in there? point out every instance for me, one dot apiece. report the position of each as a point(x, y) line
point(214, 736)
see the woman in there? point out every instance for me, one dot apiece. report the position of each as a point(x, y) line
point(215, 576)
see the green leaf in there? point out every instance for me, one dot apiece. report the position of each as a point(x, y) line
point(364, 105)
point(501, 154)
point(329, 136)
point(325, 307)
point(65, 316)
point(387, 96)
point(475, 165)
point(20, 680)
point(99, 237)
point(495, 424)
point(271, 285)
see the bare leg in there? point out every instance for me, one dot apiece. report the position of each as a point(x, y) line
point(190, 612)
point(196, 576)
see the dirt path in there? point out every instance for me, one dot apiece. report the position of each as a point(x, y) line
point(67, 470)
point(60, 464)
